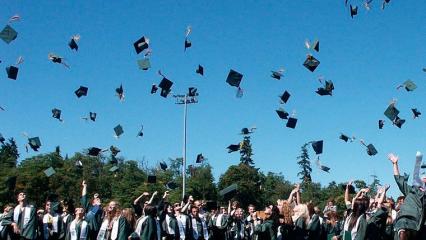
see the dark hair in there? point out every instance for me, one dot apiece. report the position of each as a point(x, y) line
point(311, 209)
point(150, 210)
point(251, 205)
point(358, 209)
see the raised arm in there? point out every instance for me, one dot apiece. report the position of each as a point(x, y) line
point(152, 197)
point(186, 206)
point(394, 159)
point(297, 194)
point(84, 190)
point(347, 192)
point(84, 201)
point(136, 201)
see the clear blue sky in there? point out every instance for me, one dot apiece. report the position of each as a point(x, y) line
point(366, 58)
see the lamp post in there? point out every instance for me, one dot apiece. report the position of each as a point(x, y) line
point(189, 98)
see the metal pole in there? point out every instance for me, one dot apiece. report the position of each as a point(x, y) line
point(184, 149)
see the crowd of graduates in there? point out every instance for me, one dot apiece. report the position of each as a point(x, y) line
point(153, 217)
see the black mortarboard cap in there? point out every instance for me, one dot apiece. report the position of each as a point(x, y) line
point(34, 143)
point(200, 70)
point(171, 185)
point(284, 97)
point(120, 90)
point(423, 166)
point(317, 146)
point(282, 114)
point(73, 44)
point(354, 10)
point(118, 130)
point(233, 148)
point(114, 150)
point(163, 165)
point(371, 150)
point(152, 179)
point(409, 85)
point(211, 205)
point(399, 122)
point(141, 45)
point(94, 151)
point(229, 191)
point(165, 86)
point(327, 89)
point(49, 172)
point(325, 168)
point(344, 137)
point(200, 158)
point(92, 116)
point(311, 63)
point(8, 34)
point(154, 89)
point(192, 92)
point(416, 113)
point(381, 123)
point(351, 189)
point(81, 91)
point(234, 78)
point(391, 112)
point(316, 45)
point(56, 113)
point(276, 74)
point(12, 72)
point(140, 133)
point(245, 131)
point(188, 43)
point(291, 123)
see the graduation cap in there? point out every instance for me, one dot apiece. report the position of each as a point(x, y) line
point(200, 70)
point(313, 46)
point(165, 86)
point(354, 11)
point(120, 92)
point(233, 148)
point(57, 59)
point(141, 44)
point(408, 85)
point(8, 34)
point(94, 151)
point(322, 167)
point(416, 113)
point(284, 97)
point(371, 150)
point(291, 123)
point(73, 42)
point(381, 124)
point(92, 116)
point(12, 72)
point(114, 150)
point(277, 74)
point(113, 169)
point(188, 44)
point(344, 137)
point(192, 92)
point(311, 63)
point(398, 122)
point(327, 89)
point(163, 165)
point(118, 130)
point(81, 91)
point(171, 185)
point(200, 158)
point(49, 172)
point(229, 191)
point(34, 143)
point(152, 179)
point(154, 89)
point(234, 78)
point(246, 131)
point(317, 146)
point(351, 189)
point(282, 114)
point(391, 112)
point(144, 64)
point(140, 133)
point(56, 113)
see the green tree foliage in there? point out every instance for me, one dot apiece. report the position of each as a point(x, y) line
point(305, 165)
point(201, 183)
point(246, 151)
point(8, 159)
point(274, 187)
point(247, 178)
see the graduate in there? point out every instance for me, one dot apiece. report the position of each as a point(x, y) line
point(409, 222)
point(78, 228)
point(218, 224)
point(250, 221)
point(5, 228)
point(67, 216)
point(182, 220)
point(24, 219)
point(355, 225)
point(314, 224)
point(147, 227)
point(52, 221)
point(93, 212)
point(198, 227)
point(268, 229)
point(168, 221)
point(237, 227)
point(114, 224)
point(286, 226)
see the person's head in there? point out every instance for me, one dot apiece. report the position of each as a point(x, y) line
point(238, 213)
point(96, 199)
point(197, 203)
point(129, 215)
point(21, 197)
point(112, 209)
point(150, 210)
point(330, 202)
point(332, 218)
point(194, 211)
point(300, 211)
point(317, 210)
point(223, 210)
point(310, 209)
point(79, 212)
point(177, 207)
point(48, 206)
point(7, 208)
point(40, 213)
point(235, 205)
point(251, 208)
point(267, 212)
point(168, 207)
point(359, 208)
point(287, 212)
point(400, 200)
point(68, 206)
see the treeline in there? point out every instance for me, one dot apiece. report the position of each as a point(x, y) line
point(129, 180)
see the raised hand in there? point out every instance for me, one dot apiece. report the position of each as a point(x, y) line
point(393, 158)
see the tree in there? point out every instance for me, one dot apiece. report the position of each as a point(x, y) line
point(305, 165)
point(201, 184)
point(247, 179)
point(274, 187)
point(246, 151)
point(8, 159)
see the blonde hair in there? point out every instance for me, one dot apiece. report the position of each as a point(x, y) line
point(301, 211)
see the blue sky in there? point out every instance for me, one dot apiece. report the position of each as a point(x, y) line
point(366, 58)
